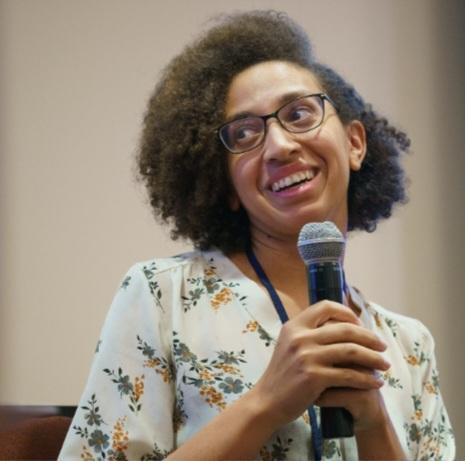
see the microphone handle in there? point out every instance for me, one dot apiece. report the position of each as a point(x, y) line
point(325, 281)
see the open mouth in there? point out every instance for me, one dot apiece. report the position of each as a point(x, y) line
point(292, 180)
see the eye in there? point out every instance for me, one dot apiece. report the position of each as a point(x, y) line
point(245, 131)
point(301, 113)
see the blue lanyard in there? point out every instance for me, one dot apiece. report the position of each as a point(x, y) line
point(317, 441)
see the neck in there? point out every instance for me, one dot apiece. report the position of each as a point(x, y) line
point(280, 248)
point(280, 260)
point(269, 250)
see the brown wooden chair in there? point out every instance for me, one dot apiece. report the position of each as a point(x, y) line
point(33, 432)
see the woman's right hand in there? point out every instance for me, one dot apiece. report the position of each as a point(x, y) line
point(324, 346)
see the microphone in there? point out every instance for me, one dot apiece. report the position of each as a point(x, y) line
point(321, 246)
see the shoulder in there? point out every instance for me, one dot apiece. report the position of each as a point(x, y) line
point(402, 328)
point(150, 292)
point(388, 323)
point(156, 267)
point(182, 260)
point(403, 321)
point(152, 275)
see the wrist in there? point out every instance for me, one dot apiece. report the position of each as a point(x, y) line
point(261, 410)
point(264, 408)
point(377, 419)
point(379, 442)
point(373, 430)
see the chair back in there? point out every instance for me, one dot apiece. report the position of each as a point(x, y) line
point(33, 432)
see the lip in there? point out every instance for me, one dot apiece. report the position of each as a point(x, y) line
point(288, 170)
point(297, 191)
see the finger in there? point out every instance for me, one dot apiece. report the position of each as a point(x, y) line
point(348, 354)
point(352, 378)
point(347, 333)
point(340, 397)
point(320, 313)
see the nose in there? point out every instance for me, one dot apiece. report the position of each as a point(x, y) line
point(279, 144)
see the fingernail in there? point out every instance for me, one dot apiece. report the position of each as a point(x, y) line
point(379, 379)
point(382, 343)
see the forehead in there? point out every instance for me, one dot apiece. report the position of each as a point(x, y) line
point(261, 88)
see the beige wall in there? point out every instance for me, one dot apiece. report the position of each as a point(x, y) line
point(75, 76)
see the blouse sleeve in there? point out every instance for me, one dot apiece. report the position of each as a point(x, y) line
point(126, 410)
point(429, 430)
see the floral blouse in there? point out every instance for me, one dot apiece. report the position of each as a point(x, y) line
point(186, 336)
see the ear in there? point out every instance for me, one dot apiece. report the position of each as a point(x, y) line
point(356, 137)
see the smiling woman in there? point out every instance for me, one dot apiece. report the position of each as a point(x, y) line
point(326, 151)
point(184, 136)
point(246, 139)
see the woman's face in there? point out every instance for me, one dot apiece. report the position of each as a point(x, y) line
point(326, 155)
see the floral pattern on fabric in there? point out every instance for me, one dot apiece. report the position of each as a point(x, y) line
point(213, 377)
point(125, 283)
point(331, 449)
point(188, 335)
point(432, 386)
point(132, 389)
point(156, 454)
point(102, 444)
point(159, 364)
point(220, 292)
point(418, 357)
point(389, 322)
point(149, 272)
point(277, 451)
point(391, 380)
point(254, 327)
point(428, 436)
point(179, 414)
point(428, 432)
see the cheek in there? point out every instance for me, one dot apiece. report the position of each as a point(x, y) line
point(242, 171)
point(236, 179)
point(337, 153)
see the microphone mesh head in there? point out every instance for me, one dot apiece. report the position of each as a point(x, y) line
point(320, 241)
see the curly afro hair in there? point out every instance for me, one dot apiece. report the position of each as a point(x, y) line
point(183, 163)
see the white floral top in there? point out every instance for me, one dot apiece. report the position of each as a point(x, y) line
point(186, 336)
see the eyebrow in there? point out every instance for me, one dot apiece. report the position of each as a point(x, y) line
point(281, 101)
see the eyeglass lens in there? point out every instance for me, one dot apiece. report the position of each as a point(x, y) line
point(297, 116)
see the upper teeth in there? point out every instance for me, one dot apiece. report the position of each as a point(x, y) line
point(292, 179)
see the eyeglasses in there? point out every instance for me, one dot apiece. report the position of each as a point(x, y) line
point(302, 114)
